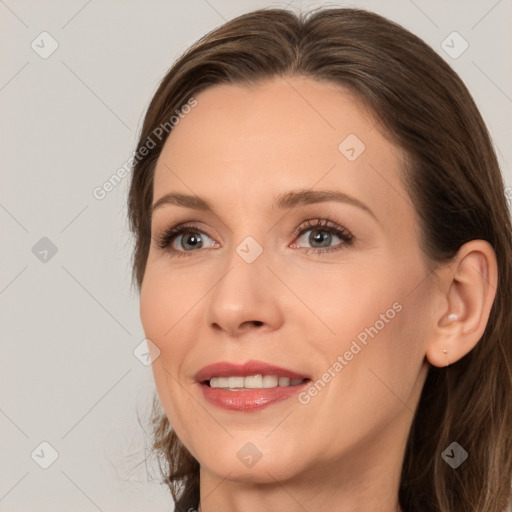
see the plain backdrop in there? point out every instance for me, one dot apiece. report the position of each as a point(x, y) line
point(71, 383)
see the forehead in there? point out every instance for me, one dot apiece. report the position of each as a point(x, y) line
point(234, 120)
point(288, 132)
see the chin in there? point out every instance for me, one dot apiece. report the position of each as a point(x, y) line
point(247, 465)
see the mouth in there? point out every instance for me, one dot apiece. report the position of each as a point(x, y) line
point(258, 381)
point(250, 386)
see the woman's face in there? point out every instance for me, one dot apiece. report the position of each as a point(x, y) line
point(344, 303)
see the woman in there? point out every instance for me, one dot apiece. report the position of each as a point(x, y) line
point(338, 336)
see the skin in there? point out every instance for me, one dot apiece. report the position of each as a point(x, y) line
point(238, 148)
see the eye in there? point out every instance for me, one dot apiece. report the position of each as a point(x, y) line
point(186, 239)
point(183, 240)
point(322, 233)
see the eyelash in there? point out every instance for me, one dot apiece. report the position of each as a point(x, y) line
point(165, 239)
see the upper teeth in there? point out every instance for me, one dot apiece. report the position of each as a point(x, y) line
point(253, 381)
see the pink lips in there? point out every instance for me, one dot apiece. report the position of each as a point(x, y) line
point(248, 400)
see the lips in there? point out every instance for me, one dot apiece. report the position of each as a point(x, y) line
point(246, 400)
point(227, 369)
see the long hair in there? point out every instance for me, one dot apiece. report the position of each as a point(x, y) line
point(454, 181)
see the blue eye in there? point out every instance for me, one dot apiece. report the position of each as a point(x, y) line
point(322, 232)
point(187, 239)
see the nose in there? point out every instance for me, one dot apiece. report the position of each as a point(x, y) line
point(245, 298)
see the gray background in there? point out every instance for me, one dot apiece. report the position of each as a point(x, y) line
point(70, 320)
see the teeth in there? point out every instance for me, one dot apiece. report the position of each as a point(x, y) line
point(232, 382)
point(253, 382)
point(284, 381)
point(270, 381)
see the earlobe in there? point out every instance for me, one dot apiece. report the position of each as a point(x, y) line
point(443, 348)
point(466, 292)
point(452, 317)
point(445, 351)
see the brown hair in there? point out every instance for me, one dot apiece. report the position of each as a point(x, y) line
point(453, 178)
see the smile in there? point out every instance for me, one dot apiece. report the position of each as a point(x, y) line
point(253, 382)
point(248, 387)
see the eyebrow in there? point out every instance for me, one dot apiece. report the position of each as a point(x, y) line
point(287, 200)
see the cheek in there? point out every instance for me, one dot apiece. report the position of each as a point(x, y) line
point(162, 313)
point(343, 300)
point(374, 335)
point(156, 308)
point(166, 302)
point(370, 369)
point(168, 320)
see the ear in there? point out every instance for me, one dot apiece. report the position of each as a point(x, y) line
point(462, 303)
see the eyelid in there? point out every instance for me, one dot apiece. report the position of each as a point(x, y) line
point(168, 236)
point(319, 223)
